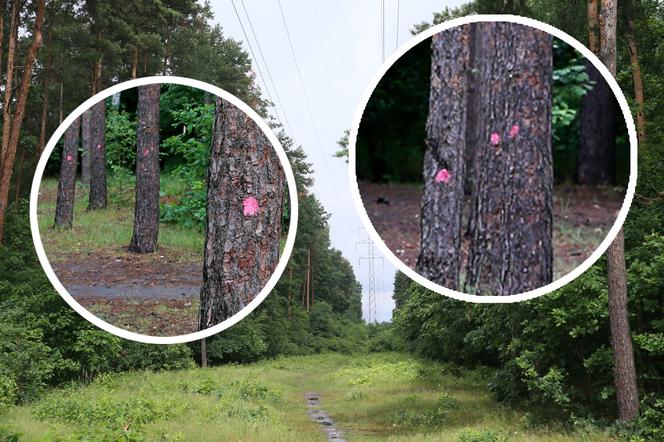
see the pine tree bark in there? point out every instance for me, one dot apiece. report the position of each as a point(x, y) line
point(593, 26)
point(64, 207)
point(86, 146)
point(245, 188)
point(146, 208)
point(597, 132)
point(627, 393)
point(510, 236)
point(444, 158)
point(98, 198)
point(624, 370)
point(9, 150)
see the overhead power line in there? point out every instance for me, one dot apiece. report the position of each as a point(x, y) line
point(258, 68)
point(267, 68)
point(306, 96)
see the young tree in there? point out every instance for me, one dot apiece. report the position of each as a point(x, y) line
point(627, 393)
point(512, 215)
point(444, 158)
point(97, 156)
point(64, 206)
point(146, 209)
point(245, 189)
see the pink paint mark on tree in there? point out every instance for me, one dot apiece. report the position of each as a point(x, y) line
point(250, 206)
point(514, 131)
point(443, 176)
point(495, 138)
point(69, 158)
point(146, 152)
point(98, 146)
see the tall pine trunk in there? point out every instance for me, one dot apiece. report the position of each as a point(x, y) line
point(64, 207)
point(637, 80)
point(245, 188)
point(97, 156)
point(627, 393)
point(597, 132)
point(511, 244)
point(86, 146)
point(146, 208)
point(444, 158)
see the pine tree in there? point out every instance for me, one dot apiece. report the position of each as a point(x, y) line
point(146, 209)
point(64, 206)
point(98, 197)
point(245, 189)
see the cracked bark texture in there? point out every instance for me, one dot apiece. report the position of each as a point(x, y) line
point(64, 206)
point(442, 204)
point(146, 208)
point(510, 236)
point(86, 147)
point(97, 156)
point(241, 251)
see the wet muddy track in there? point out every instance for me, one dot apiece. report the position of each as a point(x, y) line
point(321, 417)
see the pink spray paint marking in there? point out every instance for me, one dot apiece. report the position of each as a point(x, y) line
point(250, 206)
point(146, 152)
point(495, 138)
point(514, 131)
point(69, 158)
point(443, 176)
point(98, 146)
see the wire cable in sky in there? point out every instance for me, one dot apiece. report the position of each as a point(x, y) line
point(306, 96)
point(258, 68)
point(267, 69)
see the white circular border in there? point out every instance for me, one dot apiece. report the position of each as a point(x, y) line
point(283, 261)
point(493, 298)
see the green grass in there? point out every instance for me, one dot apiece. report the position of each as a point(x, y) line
point(111, 228)
point(377, 397)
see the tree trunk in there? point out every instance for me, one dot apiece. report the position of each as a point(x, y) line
point(61, 112)
point(64, 207)
point(637, 80)
point(624, 370)
point(444, 158)
point(86, 146)
point(204, 361)
point(97, 156)
point(9, 83)
point(245, 188)
point(146, 208)
point(134, 63)
point(510, 248)
point(597, 132)
point(9, 155)
point(593, 26)
point(627, 393)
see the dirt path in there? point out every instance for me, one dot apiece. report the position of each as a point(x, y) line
point(321, 417)
point(583, 216)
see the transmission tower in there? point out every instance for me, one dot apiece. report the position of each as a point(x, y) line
point(371, 258)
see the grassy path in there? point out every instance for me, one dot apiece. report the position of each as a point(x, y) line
point(385, 396)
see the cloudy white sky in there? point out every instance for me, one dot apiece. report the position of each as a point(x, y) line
point(337, 45)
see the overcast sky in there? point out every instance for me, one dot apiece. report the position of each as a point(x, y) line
point(337, 45)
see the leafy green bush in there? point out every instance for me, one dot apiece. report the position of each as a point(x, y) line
point(120, 140)
point(473, 435)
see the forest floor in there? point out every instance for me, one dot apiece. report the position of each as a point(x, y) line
point(154, 293)
point(369, 397)
point(582, 217)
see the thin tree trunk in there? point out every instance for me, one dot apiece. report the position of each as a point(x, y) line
point(637, 80)
point(204, 361)
point(134, 63)
point(627, 393)
point(98, 197)
point(624, 371)
point(19, 177)
point(61, 113)
point(290, 293)
point(597, 132)
point(9, 154)
point(511, 235)
point(41, 141)
point(9, 82)
point(146, 209)
point(86, 146)
point(244, 200)
point(593, 26)
point(64, 207)
point(444, 160)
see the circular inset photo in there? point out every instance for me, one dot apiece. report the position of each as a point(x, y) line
point(164, 209)
point(490, 158)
